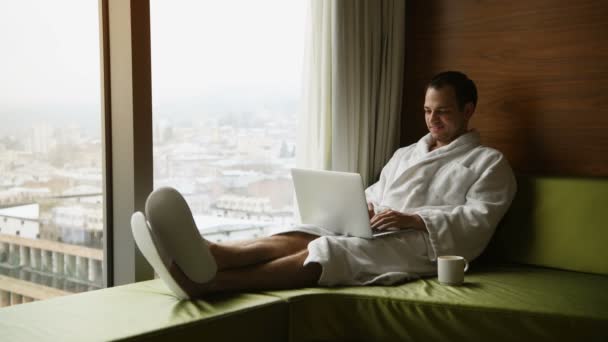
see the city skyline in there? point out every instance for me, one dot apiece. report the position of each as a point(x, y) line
point(234, 175)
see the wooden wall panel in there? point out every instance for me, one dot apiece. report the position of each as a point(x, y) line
point(541, 68)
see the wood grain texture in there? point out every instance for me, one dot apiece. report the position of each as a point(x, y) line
point(541, 68)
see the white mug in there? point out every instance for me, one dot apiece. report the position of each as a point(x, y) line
point(451, 268)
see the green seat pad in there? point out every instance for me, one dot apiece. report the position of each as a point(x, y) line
point(145, 311)
point(498, 303)
point(555, 222)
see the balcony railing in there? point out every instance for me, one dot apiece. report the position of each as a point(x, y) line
point(32, 269)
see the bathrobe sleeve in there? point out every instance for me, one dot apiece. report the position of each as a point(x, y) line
point(465, 229)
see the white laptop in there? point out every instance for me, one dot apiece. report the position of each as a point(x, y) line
point(334, 201)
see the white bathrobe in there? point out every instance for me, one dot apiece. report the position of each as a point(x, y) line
point(460, 191)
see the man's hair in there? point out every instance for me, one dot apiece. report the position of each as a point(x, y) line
point(463, 86)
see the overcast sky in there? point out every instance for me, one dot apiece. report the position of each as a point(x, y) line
point(216, 44)
point(50, 52)
point(50, 49)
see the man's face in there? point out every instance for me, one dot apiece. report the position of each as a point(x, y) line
point(443, 118)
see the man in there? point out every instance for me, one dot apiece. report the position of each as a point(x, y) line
point(447, 190)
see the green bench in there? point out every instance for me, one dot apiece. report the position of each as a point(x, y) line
point(544, 276)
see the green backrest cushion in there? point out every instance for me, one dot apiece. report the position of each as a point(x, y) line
point(555, 222)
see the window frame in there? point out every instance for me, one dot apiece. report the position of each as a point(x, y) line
point(126, 107)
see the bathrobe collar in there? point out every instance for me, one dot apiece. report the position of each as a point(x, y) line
point(468, 140)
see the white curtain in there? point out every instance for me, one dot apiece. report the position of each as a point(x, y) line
point(353, 79)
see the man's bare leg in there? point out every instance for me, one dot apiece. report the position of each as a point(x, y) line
point(283, 273)
point(261, 250)
point(239, 242)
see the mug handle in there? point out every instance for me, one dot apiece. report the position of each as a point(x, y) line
point(466, 264)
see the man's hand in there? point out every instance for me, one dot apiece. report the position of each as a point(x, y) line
point(394, 219)
point(370, 210)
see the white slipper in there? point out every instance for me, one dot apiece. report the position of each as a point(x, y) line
point(145, 243)
point(175, 233)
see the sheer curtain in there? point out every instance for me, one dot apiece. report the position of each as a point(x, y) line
point(353, 78)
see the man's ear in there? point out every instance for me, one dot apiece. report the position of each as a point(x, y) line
point(469, 109)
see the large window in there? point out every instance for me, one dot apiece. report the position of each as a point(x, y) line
point(226, 88)
point(51, 217)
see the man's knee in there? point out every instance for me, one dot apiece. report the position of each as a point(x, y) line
point(297, 258)
point(311, 271)
point(301, 255)
point(297, 240)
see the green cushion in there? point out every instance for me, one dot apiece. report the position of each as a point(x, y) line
point(499, 303)
point(509, 302)
point(555, 222)
point(145, 311)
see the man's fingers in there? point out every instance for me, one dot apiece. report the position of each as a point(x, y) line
point(374, 221)
point(382, 215)
point(386, 225)
point(382, 221)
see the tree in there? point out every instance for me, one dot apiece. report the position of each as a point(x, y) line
point(284, 150)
